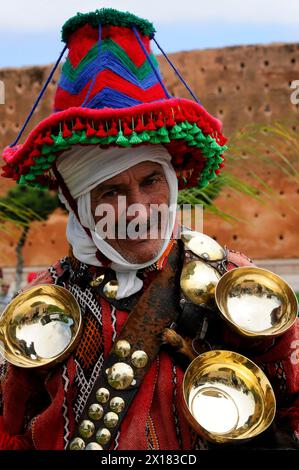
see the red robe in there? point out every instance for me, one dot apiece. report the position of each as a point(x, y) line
point(39, 411)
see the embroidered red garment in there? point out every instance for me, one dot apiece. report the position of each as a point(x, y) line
point(39, 411)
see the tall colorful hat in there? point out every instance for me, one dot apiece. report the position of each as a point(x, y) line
point(110, 92)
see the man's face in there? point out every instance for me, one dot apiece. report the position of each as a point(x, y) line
point(143, 184)
point(4, 289)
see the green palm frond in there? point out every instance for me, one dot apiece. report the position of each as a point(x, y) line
point(256, 145)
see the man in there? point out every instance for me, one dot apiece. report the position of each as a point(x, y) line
point(5, 296)
point(116, 140)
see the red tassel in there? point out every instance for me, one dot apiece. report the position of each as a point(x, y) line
point(170, 122)
point(39, 140)
point(78, 125)
point(28, 162)
point(7, 171)
point(160, 121)
point(221, 165)
point(101, 132)
point(151, 125)
point(113, 129)
point(179, 116)
point(47, 139)
point(217, 172)
point(35, 153)
point(126, 129)
point(90, 130)
point(139, 127)
point(66, 131)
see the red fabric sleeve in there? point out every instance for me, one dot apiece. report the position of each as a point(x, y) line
point(18, 442)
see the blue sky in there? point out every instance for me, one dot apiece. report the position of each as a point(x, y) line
point(30, 30)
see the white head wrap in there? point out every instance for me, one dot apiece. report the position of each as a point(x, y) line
point(85, 167)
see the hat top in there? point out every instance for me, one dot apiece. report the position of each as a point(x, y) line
point(107, 17)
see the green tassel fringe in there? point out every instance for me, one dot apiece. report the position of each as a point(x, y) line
point(191, 133)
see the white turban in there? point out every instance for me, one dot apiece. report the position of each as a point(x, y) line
point(85, 167)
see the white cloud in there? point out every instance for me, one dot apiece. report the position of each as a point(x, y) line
point(47, 15)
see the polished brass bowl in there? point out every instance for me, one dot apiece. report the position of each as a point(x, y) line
point(227, 398)
point(198, 282)
point(40, 327)
point(256, 302)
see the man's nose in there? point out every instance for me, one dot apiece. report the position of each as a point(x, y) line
point(138, 201)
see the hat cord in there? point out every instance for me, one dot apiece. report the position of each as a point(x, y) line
point(39, 97)
point(156, 72)
point(177, 72)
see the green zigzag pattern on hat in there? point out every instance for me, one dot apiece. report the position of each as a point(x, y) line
point(109, 45)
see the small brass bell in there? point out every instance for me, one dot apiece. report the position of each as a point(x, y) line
point(120, 376)
point(117, 404)
point(102, 395)
point(103, 436)
point(110, 419)
point(110, 289)
point(86, 429)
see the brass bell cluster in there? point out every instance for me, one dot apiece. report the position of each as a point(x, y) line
point(104, 413)
point(227, 398)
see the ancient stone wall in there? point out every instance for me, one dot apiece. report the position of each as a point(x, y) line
point(239, 85)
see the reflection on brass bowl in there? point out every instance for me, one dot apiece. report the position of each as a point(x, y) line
point(256, 302)
point(40, 327)
point(198, 282)
point(227, 398)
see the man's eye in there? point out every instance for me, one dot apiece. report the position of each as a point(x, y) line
point(151, 181)
point(111, 193)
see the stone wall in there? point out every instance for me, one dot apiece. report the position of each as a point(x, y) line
point(239, 85)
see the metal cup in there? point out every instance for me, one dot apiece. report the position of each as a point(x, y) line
point(256, 302)
point(227, 398)
point(40, 327)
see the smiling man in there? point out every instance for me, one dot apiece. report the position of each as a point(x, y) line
point(118, 147)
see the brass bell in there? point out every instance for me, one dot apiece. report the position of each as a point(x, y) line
point(120, 376)
point(97, 281)
point(198, 282)
point(122, 348)
point(110, 289)
point(77, 444)
point(139, 359)
point(110, 419)
point(86, 429)
point(93, 446)
point(95, 411)
point(102, 395)
point(103, 436)
point(117, 404)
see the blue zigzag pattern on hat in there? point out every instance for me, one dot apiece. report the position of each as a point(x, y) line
point(108, 61)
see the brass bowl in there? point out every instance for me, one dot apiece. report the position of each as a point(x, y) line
point(256, 302)
point(40, 327)
point(227, 398)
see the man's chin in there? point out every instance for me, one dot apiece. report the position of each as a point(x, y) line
point(140, 251)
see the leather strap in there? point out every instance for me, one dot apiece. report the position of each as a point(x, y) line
point(155, 310)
